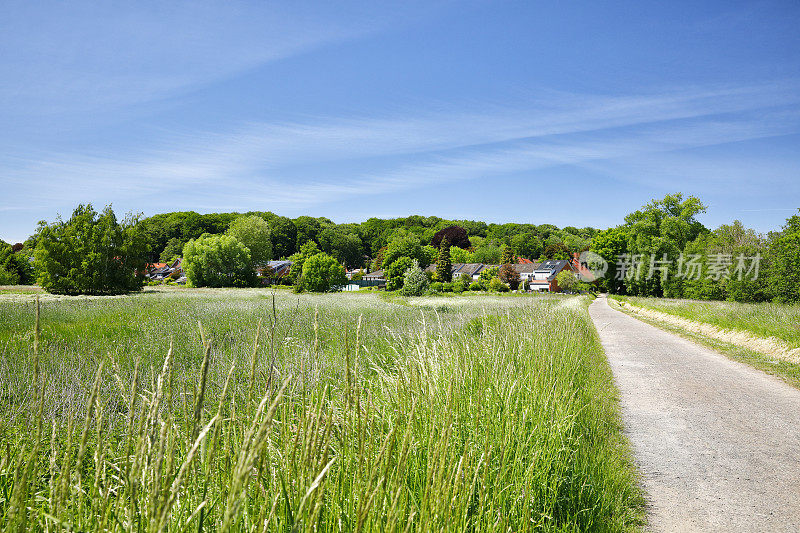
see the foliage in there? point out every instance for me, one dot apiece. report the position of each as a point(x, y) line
point(527, 245)
point(15, 265)
point(566, 280)
point(407, 246)
point(284, 236)
point(218, 261)
point(91, 253)
point(255, 234)
point(454, 235)
point(557, 250)
point(172, 250)
point(307, 228)
point(415, 282)
point(437, 286)
point(507, 256)
point(322, 273)
point(488, 273)
point(307, 250)
point(444, 266)
point(459, 255)
point(431, 254)
point(345, 247)
point(488, 253)
point(610, 244)
point(475, 286)
point(495, 285)
point(509, 275)
point(783, 276)
point(395, 273)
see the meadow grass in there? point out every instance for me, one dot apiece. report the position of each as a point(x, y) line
point(781, 321)
point(231, 410)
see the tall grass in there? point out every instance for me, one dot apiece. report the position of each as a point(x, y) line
point(229, 411)
point(781, 321)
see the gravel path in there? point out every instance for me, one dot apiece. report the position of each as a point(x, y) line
point(717, 442)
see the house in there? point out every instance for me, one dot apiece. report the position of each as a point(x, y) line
point(544, 276)
point(526, 270)
point(377, 275)
point(473, 270)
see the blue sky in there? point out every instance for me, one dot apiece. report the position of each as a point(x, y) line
point(570, 113)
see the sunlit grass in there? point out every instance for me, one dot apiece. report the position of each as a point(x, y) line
point(226, 410)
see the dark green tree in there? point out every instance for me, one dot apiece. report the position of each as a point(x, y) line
point(395, 273)
point(173, 249)
point(783, 275)
point(91, 253)
point(444, 265)
point(284, 236)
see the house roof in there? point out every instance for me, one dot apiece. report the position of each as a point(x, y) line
point(378, 274)
point(553, 264)
point(525, 268)
point(523, 261)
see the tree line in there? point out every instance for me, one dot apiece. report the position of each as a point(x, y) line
point(648, 255)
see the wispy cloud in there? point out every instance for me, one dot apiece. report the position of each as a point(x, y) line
point(292, 165)
point(89, 56)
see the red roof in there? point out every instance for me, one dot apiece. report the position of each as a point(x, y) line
point(156, 265)
point(523, 261)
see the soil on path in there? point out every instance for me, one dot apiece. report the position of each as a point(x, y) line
point(717, 442)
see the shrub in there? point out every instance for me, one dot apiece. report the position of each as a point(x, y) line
point(496, 285)
point(91, 253)
point(436, 286)
point(447, 286)
point(475, 286)
point(218, 261)
point(415, 282)
point(459, 287)
point(323, 273)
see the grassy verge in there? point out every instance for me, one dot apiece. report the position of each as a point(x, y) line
point(326, 413)
point(786, 370)
point(760, 319)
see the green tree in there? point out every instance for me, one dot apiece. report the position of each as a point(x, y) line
point(566, 280)
point(459, 255)
point(660, 231)
point(308, 229)
point(783, 275)
point(488, 253)
point(322, 273)
point(395, 273)
point(527, 245)
point(255, 234)
point(173, 249)
point(508, 256)
point(415, 282)
point(15, 267)
point(344, 246)
point(444, 266)
point(307, 250)
point(284, 236)
point(91, 253)
point(404, 246)
point(610, 244)
point(218, 261)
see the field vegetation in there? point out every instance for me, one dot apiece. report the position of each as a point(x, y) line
point(781, 321)
point(236, 410)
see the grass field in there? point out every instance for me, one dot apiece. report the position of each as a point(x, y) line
point(781, 321)
point(337, 412)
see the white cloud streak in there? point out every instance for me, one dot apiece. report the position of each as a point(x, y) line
point(295, 165)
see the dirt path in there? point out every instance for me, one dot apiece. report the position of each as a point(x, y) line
point(717, 442)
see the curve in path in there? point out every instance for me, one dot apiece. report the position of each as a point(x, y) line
point(717, 442)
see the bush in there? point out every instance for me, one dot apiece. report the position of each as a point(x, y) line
point(218, 261)
point(91, 253)
point(436, 286)
point(475, 286)
point(415, 282)
point(495, 285)
point(447, 286)
point(459, 287)
point(323, 273)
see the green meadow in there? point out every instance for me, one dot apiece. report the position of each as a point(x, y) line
point(240, 410)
